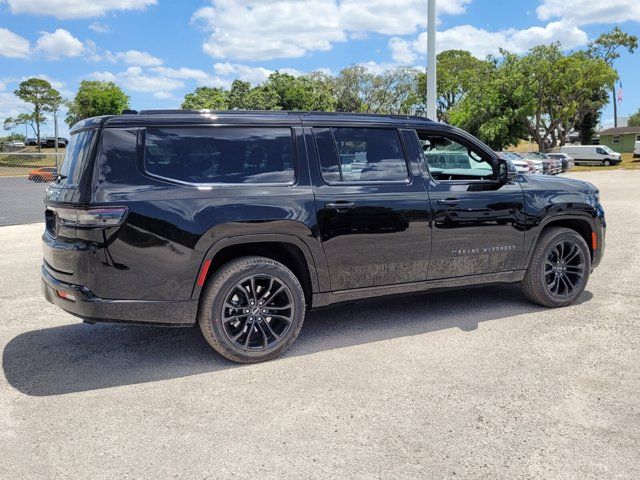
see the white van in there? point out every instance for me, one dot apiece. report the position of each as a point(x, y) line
point(592, 154)
point(636, 149)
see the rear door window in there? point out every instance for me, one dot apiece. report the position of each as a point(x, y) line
point(353, 155)
point(229, 155)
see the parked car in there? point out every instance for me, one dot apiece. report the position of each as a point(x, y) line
point(592, 154)
point(520, 164)
point(636, 149)
point(242, 221)
point(535, 164)
point(50, 142)
point(549, 166)
point(567, 161)
point(31, 142)
point(43, 174)
point(14, 144)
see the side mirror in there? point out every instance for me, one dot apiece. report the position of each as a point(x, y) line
point(506, 171)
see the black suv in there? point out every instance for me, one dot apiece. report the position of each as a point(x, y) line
point(241, 221)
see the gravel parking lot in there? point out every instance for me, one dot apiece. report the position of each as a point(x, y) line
point(470, 384)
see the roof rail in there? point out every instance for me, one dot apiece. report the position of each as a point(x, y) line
point(270, 112)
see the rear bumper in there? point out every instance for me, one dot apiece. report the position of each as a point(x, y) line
point(94, 309)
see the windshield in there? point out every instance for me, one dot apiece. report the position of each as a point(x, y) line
point(606, 149)
point(76, 156)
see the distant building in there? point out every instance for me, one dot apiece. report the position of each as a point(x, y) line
point(620, 139)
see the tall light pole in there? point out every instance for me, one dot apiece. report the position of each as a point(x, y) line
point(431, 60)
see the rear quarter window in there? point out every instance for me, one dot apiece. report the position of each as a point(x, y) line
point(229, 155)
point(78, 154)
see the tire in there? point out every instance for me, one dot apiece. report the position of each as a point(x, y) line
point(37, 179)
point(244, 333)
point(545, 272)
point(606, 162)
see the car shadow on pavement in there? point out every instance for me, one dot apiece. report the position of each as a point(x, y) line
point(80, 357)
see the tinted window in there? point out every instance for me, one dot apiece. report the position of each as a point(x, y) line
point(220, 155)
point(451, 160)
point(77, 156)
point(360, 155)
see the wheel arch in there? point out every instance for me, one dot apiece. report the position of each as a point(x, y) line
point(584, 225)
point(286, 249)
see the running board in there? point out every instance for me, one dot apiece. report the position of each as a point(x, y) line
point(329, 298)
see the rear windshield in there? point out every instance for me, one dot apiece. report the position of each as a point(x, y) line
point(220, 154)
point(76, 156)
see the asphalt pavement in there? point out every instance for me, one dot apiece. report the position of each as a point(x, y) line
point(21, 201)
point(474, 383)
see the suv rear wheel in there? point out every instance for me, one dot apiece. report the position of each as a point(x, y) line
point(252, 309)
point(559, 269)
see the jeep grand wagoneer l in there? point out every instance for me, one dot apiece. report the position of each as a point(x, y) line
point(241, 221)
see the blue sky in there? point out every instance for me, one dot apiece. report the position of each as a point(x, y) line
point(158, 50)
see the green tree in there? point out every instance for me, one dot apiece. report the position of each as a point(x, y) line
point(238, 96)
point(262, 98)
point(348, 88)
point(43, 97)
point(458, 72)
point(205, 98)
point(306, 92)
point(554, 89)
point(392, 92)
point(634, 120)
point(607, 47)
point(20, 120)
point(95, 98)
point(490, 110)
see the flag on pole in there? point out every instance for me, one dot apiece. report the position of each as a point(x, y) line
point(620, 95)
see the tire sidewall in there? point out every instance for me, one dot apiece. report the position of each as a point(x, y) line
point(217, 291)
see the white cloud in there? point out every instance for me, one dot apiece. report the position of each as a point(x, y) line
point(243, 72)
point(11, 106)
point(135, 57)
point(103, 76)
point(482, 42)
point(67, 9)
point(262, 29)
point(402, 51)
point(13, 46)
point(184, 73)
point(138, 80)
point(378, 68)
point(163, 95)
point(582, 12)
point(99, 27)
point(59, 44)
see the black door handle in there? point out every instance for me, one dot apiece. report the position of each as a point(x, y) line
point(340, 205)
point(450, 202)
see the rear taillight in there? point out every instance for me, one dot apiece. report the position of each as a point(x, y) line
point(90, 217)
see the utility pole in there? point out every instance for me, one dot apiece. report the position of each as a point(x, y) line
point(431, 60)
point(55, 126)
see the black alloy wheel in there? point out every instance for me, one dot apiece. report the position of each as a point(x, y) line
point(564, 269)
point(258, 312)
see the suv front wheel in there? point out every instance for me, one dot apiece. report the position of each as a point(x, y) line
point(559, 269)
point(252, 309)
